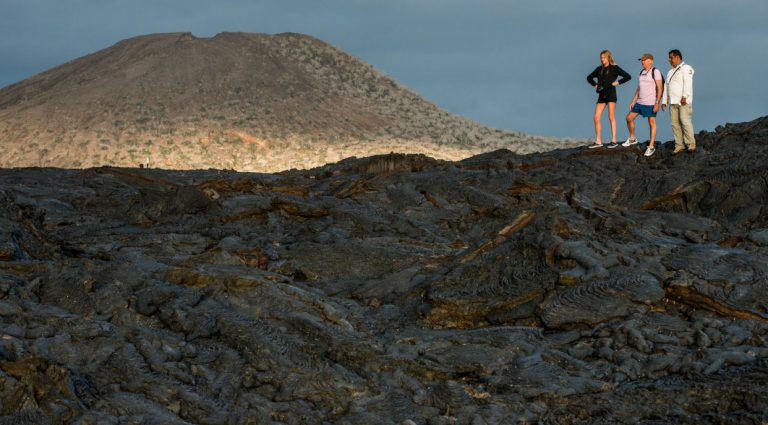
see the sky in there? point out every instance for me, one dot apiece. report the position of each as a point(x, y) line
point(519, 65)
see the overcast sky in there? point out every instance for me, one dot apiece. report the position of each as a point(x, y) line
point(513, 64)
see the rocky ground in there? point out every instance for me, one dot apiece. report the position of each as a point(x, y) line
point(576, 286)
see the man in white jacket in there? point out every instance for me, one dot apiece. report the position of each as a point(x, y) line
point(678, 94)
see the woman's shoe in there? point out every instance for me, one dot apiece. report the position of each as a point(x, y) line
point(613, 145)
point(596, 145)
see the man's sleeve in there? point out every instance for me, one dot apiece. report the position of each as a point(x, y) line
point(688, 82)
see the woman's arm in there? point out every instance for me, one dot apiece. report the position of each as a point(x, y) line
point(623, 74)
point(593, 76)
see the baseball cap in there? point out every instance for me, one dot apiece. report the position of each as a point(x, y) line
point(646, 56)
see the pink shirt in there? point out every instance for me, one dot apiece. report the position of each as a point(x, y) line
point(647, 84)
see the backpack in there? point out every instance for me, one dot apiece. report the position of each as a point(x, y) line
point(662, 77)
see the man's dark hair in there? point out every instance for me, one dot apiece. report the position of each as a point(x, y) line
point(676, 53)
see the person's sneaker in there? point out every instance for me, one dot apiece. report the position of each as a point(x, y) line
point(649, 151)
point(613, 145)
point(629, 142)
point(596, 145)
point(678, 151)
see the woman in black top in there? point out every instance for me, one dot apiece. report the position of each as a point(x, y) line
point(606, 75)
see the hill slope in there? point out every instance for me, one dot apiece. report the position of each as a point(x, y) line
point(251, 102)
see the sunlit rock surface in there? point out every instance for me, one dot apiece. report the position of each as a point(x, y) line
point(575, 286)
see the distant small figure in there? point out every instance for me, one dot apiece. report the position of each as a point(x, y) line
point(605, 86)
point(646, 101)
point(678, 94)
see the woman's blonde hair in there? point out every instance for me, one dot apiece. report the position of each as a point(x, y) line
point(608, 55)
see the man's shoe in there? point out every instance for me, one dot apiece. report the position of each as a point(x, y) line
point(649, 151)
point(629, 142)
point(613, 145)
point(678, 151)
point(595, 145)
point(692, 149)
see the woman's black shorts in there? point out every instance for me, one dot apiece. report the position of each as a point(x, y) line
point(607, 95)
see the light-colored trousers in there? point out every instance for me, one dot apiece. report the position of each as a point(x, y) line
point(681, 117)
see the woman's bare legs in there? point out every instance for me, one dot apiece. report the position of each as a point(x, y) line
point(598, 113)
point(612, 119)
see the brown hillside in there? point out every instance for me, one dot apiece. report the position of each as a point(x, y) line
point(251, 102)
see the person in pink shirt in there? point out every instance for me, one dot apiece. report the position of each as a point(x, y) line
point(645, 102)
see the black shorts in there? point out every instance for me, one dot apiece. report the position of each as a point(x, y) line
point(607, 95)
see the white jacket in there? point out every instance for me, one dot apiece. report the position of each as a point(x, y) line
point(679, 84)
